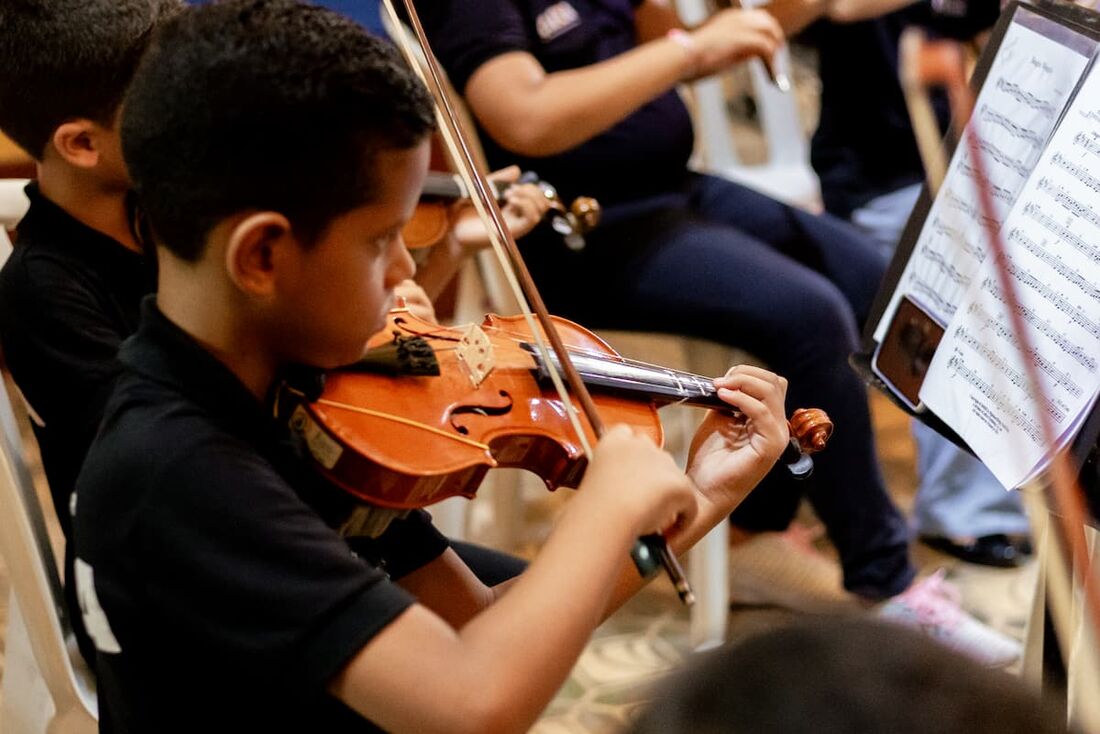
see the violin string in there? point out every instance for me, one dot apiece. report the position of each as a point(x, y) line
point(521, 338)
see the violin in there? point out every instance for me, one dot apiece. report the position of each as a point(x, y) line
point(431, 409)
point(432, 219)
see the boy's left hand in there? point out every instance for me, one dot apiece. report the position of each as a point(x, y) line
point(730, 455)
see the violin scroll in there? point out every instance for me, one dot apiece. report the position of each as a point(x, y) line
point(574, 222)
point(811, 428)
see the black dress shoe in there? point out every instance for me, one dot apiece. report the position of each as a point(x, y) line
point(998, 550)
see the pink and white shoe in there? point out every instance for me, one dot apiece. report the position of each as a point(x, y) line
point(932, 606)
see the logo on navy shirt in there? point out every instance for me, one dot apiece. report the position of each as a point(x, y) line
point(556, 20)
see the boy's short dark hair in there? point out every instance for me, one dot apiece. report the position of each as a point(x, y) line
point(268, 105)
point(67, 59)
point(844, 676)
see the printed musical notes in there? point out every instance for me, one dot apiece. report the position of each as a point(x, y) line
point(1029, 83)
point(1090, 142)
point(1078, 172)
point(977, 379)
point(994, 117)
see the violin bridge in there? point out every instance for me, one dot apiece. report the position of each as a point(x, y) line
point(475, 354)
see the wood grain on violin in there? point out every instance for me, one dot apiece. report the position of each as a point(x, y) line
point(433, 408)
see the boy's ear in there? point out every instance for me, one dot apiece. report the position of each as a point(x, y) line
point(76, 142)
point(252, 249)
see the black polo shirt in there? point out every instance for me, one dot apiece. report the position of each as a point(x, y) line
point(69, 295)
point(644, 154)
point(228, 601)
point(864, 145)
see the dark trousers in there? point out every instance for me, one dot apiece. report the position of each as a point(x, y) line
point(717, 260)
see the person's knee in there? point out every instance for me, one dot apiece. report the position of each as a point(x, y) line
point(822, 324)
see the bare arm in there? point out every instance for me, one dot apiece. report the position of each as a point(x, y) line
point(547, 113)
point(727, 459)
point(794, 15)
point(499, 670)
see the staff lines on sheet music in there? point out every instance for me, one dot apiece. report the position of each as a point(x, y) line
point(1078, 172)
point(1015, 165)
point(1027, 98)
point(1088, 142)
point(1024, 133)
point(1062, 233)
point(1015, 414)
point(1055, 263)
point(1066, 200)
point(956, 202)
point(946, 230)
point(947, 269)
point(920, 286)
point(1072, 350)
point(1058, 377)
point(1044, 326)
point(1063, 304)
point(999, 192)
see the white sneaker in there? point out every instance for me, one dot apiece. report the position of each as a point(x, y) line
point(931, 605)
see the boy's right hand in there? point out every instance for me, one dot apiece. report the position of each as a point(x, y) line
point(629, 477)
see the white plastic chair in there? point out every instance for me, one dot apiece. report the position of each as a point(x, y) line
point(787, 174)
point(46, 685)
point(13, 205)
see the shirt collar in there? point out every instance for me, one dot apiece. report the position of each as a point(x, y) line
point(50, 223)
point(166, 354)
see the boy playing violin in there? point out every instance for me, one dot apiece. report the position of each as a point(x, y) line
point(208, 570)
point(70, 292)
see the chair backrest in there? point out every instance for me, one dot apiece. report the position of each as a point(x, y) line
point(32, 572)
point(13, 202)
point(787, 174)
point(25, 546)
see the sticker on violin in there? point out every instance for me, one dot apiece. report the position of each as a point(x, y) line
point(321, 446)
point(475, 354)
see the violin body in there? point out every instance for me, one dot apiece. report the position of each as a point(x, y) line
point(407, 441)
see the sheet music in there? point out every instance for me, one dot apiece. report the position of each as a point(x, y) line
point(976, 382)
point(1019, 105)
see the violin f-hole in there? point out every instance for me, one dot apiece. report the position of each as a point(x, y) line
point(481, 409)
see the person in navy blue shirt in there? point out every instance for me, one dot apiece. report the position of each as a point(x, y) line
point(583, 92)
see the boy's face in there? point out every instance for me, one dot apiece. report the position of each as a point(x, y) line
point(337, 294)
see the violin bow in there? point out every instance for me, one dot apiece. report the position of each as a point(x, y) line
point(650, 551)
point(941, 63)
